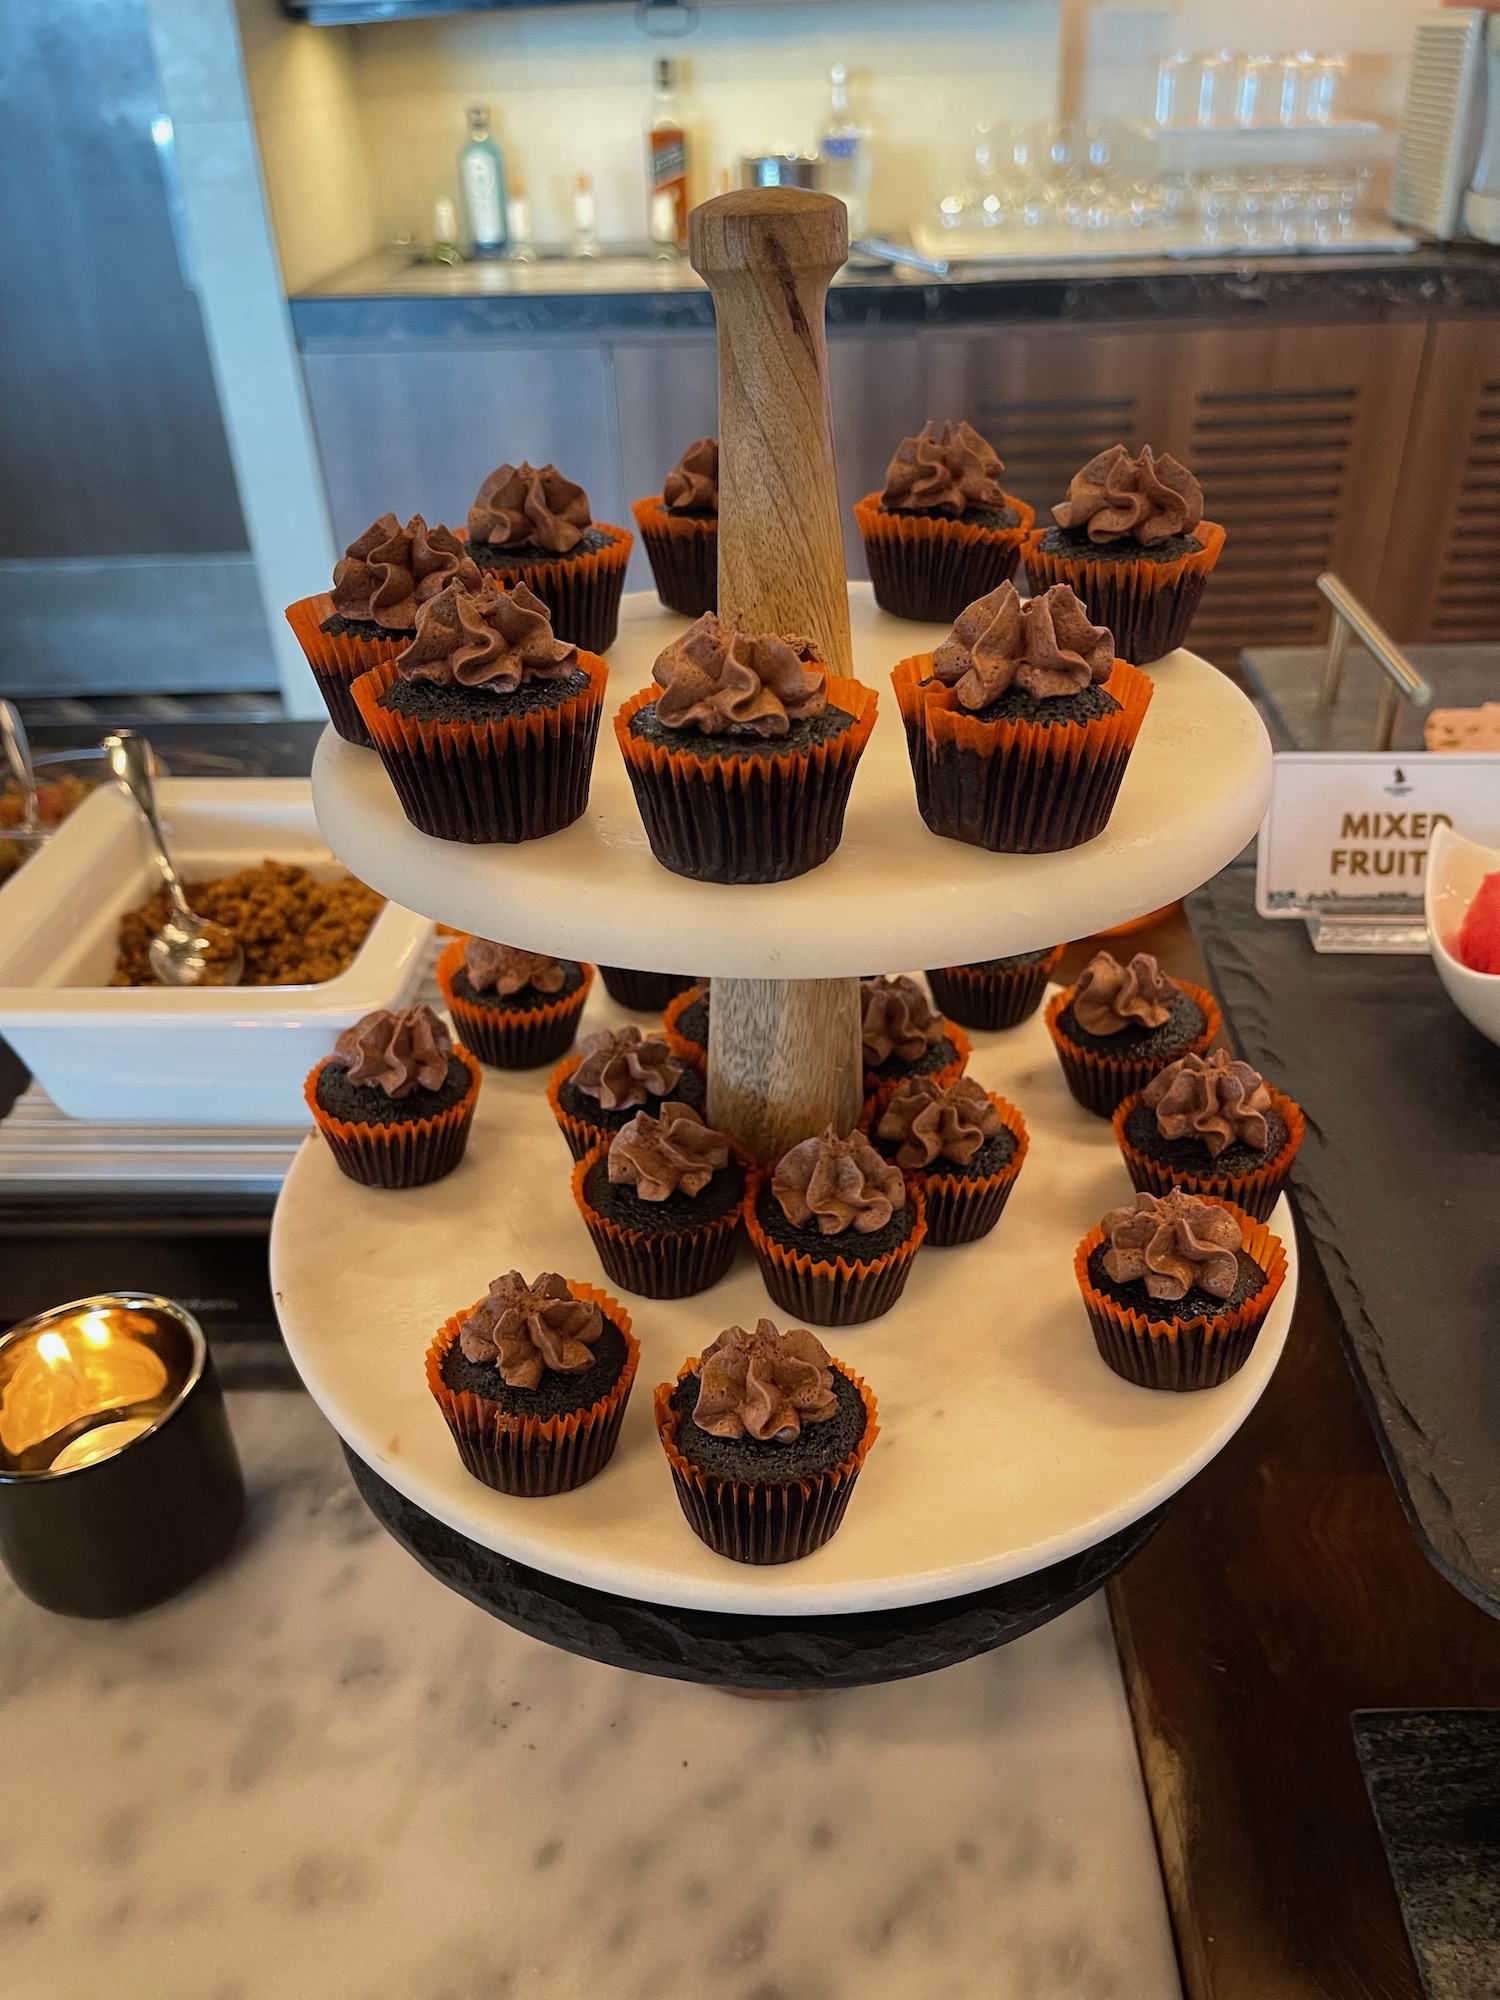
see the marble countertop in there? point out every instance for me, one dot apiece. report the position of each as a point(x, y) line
point(321, 1776)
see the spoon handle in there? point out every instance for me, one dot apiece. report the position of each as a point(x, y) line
point(130, 760)
point(18, 756)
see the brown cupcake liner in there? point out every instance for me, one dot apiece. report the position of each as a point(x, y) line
point(1148, 606)
point(517, 778)
point(398, 1156)
point(1256, 1193)
point(1099, 1082)
point(532, 1457)
point(759, 817)
point(879, 1090)
point(582, 593)
point(683, 550)
point(1016, 787)
point(511, 1037)
point(961, 1209)
point(769, 1520)
point(1182, 1354)
point(673, 1265)
point(831, 1292)
point(923, 566)
point(980, 998)
point(683, 1046)
point(337, 662)
point(644, 992)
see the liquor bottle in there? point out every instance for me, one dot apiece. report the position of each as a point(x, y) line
point(666, 160)
point(845, 154)
point(481, 175)
point(585, 239)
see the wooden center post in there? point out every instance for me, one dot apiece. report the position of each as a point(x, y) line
point(784, 1057)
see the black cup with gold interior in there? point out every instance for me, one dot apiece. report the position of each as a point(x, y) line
point(119, 1480)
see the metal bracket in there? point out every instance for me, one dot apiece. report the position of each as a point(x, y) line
point(1402, 681)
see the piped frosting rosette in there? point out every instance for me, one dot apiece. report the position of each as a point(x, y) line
point(937, 536)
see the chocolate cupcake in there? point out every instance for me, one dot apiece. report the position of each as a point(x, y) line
point(1131, 540)
point(530, 525)
point(1117, 1025)
point(644, 992)
point(515, 1009)
point(765, 1437)
point(1020, 725)
point(685, 1025)
point(533, 1381)
point(380, 583)
point(743, 753)
point(395, 1099)
point(1177, 1288)
point(486, 723)
point(663, 1202)
point(995, 993)
point(903, 1036)
point(1211, 1126)
point(834, 1228)
point(680, 529)
point(944, 531)
point(615, 1072)
point(960, 1144)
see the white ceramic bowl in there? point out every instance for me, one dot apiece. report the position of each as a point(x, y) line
point(1455, 869)
point(225, 1056)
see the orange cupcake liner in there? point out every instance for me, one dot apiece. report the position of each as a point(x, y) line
point(1256, 1192)
point(518, 777)
point(582, 593)
point(1182, 1354)
point(683, 1046)
point(879, 1090)
point(673, 1265)
point(400, 1155)
point(765, 1520)
point(1148, 606)
point(1012, 786)
point(532, 1457)
point(993, 998)
point(683, 550)
point(831, 1291)
point(1100, 1082)
point(927, 567)
point(338, 661)
point(961, 1209)
point(753, 817)
point(511, 1037)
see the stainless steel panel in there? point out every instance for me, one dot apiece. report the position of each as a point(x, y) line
point(876, 386)
point(666, 394)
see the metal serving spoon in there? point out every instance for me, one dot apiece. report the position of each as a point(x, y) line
point(18, 756)
point(188, 950)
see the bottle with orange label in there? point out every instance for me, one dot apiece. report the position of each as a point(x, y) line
point(666, 161)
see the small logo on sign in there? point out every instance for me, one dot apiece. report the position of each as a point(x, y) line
point(1400, 786)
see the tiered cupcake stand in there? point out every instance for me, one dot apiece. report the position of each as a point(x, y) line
point(1014, 1472)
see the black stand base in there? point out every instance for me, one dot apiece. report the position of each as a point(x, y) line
point(767, 1655)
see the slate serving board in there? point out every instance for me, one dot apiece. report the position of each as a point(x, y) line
point(1398, 1183)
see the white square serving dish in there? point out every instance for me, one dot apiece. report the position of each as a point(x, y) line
point(152, 1054)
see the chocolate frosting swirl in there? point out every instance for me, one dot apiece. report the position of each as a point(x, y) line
point(486, 638)
point(1212, 1098)
point(723, 682)
point(529, 506)
point(396, 1051)
point(765, 1384)
point(945, 471)
point(620, 1068)
point(390, 571)
point(506, 969)
point(1174, 1241)
point(692, 486)
point(897, 1019)
point(840, 1183)
point(1147, 498)
point(525, 1328)
point(1110, 997)
point(1046, 645)
point(673, 1153)
point(936, 1122)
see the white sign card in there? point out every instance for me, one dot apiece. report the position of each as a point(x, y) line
point(1350, 826)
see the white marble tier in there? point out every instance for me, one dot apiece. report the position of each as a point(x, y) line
point(1194, 794)
point(322, 1776)
point(1006, 1443)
